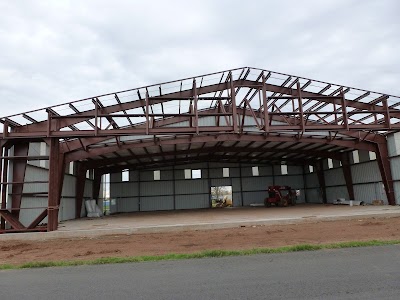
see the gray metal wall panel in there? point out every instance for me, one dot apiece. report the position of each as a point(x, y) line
point(393, 141)
point(295, 182)
point(192, 166)
point(223, 165)
point(147, 175)
point(180, 173)
point(363, 156)
point(334, 193)
point(69, 186)
point(157, 203)
point(254, 197)
point(116, 177)
point(235, 184)
point(313, 195)
point(67, 209)
point(312, 180)
point(88, 188)
point(216, 173)
point(28, 215)
point(256, 183)
point(133, 175)
point(395, 164)
point(35, 174)
point(334, 177)
point(397, 191)
point(247, 172)
point(191, 186)
point(124, 189)
point(295, 170)
point(128, 204)
point(221, 182)
point(265, 170)
point(237, 199)
point(366, 172)
point(155, 188)
point(192, 201)
point(369, 192)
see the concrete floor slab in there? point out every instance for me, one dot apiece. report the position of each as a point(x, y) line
point(202, 219)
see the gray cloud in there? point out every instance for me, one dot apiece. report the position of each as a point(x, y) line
point(58, 51)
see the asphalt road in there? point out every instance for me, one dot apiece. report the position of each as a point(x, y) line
point(363, 273)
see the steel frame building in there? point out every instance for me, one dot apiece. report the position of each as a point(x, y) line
point(245, 115)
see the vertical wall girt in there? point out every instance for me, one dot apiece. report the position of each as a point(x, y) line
point(54, 184)
point(19, 168)
point(321, 180)
point(382, 157)
point(347, 174)
point(265, 104)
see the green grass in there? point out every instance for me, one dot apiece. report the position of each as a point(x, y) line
point(202, 254)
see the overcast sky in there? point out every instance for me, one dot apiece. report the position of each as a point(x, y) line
point(58, 51)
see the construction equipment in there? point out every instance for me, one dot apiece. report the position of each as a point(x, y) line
point(280, 195)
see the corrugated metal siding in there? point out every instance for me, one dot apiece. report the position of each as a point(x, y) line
point(256, 183)
point(313, 195)
point(393, 141)
point(221, 182)
point(124, 189)
point(397, 191)
point(28, 215)
point(235, 184)
point(67, 209)
point(237, 199)
point(192, 201)
point(334, 193)
point(395, 164)
point(265, 170)
point(312, 180)
point(157, 203)
point(88, 189)
point(254, 197)
point(295, 182)
point(128, 204)
point(69, 186)
point(295, 170)
point(36, 174)
point(369, 192)
point(191, 186)
point(366, 172)
point(155, 188)
point(334, 177)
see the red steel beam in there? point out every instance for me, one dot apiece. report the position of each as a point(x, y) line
point(19, 169)
point(382, 157)
point(346, 167)
point(54, 185)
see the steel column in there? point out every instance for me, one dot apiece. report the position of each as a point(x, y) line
point(382, 157)
point(79, 188)
point(4, 177)
point(96, 184)
point(19, 169)
point(347, 174)
point(321, 179)
point(54, 184)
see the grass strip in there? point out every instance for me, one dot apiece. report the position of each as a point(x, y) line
point(202, 254)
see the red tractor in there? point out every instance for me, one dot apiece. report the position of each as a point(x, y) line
point(280, 195)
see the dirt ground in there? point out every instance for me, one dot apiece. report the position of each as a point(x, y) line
point(365, 228)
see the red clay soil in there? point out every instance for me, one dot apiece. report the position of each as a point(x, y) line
point(382, 228)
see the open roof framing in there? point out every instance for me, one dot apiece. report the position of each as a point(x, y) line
point(246, 115)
